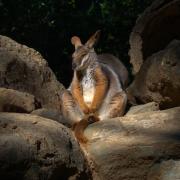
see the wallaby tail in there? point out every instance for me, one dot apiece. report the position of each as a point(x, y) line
point(81, 126)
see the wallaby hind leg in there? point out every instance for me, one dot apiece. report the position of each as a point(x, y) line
point(115, 107)
point(70, 109)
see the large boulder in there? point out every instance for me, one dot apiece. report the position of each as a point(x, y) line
point(165, 170)
point(159, 78)
point(36, 148)
point(53, 115)
point(24, 69)
point(14, 101)
point(158, 25)
point(149, 107)
point(128, 147)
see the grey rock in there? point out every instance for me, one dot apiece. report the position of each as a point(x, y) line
point(15, 101)
point(32, 147)
point(166, 170)
point(52, 114)
point(159, 78)
point(155, 28)
point(127, 147)
point(152, 106)
point(24, 69)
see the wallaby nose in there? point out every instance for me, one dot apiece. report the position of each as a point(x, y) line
point(73, 65)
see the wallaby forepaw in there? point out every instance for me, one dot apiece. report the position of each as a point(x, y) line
point(82, 140)
point(92, 118)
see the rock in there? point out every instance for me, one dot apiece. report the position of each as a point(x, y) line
point(166, 170)
point(24, 69)
point(15, 101)
point(152, 106)
point(154, 30)
point(52, 114)
point(159, 78)
point(127, 147)
point(32, 147)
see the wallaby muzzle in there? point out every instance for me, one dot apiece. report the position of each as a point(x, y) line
point(74, 65)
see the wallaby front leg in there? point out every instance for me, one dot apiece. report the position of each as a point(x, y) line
point(78, 94)
point(101, 85)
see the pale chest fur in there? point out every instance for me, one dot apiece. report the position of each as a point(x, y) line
point(88, 86)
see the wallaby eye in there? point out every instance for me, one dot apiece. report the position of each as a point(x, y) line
point(83, 55)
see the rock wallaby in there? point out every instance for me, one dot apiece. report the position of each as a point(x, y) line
point(96, 91)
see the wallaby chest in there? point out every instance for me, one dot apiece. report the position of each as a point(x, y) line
point(88, 86)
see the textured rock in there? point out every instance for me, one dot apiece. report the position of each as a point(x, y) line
point(24, 69)
point(33, 148)
point(52, 114)
point(15, 101)
point(166, 170)
point(159, 78)
point(152, 106)
point(127, 147)
point(154, 30)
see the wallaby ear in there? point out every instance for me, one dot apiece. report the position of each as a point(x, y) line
point(76, 41)
point(93, 39)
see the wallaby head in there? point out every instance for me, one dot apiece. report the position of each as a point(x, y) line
point(84, 55)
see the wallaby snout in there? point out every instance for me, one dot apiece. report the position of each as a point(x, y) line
point(74, 65)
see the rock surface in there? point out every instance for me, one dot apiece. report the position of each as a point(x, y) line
point(127, 147)
point(165, 170)
point(52, 114)
point(159, 78)
point(15, 101)
point(33, 148)
point(154, 30)
point(24, 69)
point(152, 106)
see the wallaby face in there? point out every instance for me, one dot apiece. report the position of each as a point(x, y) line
point(80, 58)
point(82, 54)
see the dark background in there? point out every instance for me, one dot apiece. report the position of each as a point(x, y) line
point(48, 25)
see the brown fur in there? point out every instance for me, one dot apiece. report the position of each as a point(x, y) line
point(106, 85)
point(117, 103)
point(78, 94)
point(79, 127)
point(100, 89)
